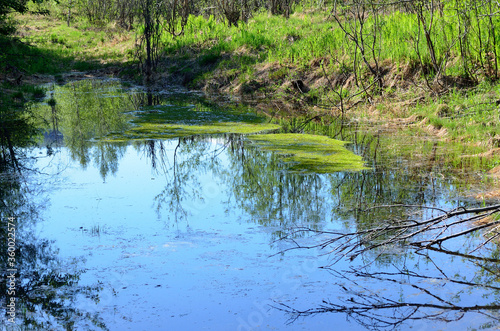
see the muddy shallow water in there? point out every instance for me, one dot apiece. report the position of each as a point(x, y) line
point(183, 234)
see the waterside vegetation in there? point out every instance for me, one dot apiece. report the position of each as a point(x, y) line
point(419, 68)
point(394, 103)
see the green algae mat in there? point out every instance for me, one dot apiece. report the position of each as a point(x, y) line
point(168, 130)
point(310, 153)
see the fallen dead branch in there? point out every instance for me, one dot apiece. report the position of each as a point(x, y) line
point(420, 295)
point(428, 233)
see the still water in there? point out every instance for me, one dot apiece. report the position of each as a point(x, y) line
point(142, 233)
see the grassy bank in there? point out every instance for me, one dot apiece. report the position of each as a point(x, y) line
point(46, 45)
point(305, 66)
point(44, 49)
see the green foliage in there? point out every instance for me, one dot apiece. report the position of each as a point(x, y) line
point(7, 25)
point(84, 110)
point(16, 129)
point(279, 74)
point(470, 116)
point(36, 92)
point(303, 38)
point(50, 47)
point(55, 39)
point(298, 40)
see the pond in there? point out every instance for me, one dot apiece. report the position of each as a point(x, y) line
point(160, 211)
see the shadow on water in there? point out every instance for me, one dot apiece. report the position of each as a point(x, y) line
point(382, 288)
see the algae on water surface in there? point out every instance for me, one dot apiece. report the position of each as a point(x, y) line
point(311, 153)
point(168, 131)
point(110, 114)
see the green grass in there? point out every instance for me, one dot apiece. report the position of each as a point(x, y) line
point(264, 38)
point(471, 115)
point(304, 38)
point(49, 46)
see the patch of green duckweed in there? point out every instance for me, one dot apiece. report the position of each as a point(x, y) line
point(310, 153)
point(167, 131)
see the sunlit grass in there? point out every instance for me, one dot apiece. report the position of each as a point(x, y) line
point(306, 37)
point(55, 47)
point(467, 116)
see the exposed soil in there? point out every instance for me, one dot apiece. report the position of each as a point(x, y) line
point(290, 89)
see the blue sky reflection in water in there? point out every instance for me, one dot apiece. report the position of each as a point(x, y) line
point(181, 234)
point(190, 249)
point(209, 269)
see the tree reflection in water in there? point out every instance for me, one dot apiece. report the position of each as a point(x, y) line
point(272, 196)
point(284, 202)
point(409, 266)
point(189, 156)
point(46, 287)
point(386, 282)
point(256, 180)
